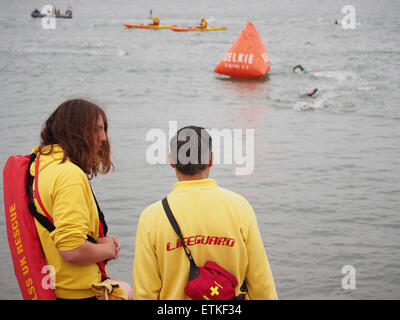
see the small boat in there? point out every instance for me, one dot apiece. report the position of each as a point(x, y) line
point(38, 14)
point(198, 29)
point(147, 26)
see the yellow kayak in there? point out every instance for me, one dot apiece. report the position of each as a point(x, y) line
point(146, 26)
point(198, 29)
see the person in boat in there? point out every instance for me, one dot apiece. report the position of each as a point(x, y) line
point(203, 23)
point(74, 148)
point(219, 225)
point(156, 21)
point(36, 11)
point(68, 11)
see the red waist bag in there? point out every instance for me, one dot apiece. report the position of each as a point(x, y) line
point(210, 282)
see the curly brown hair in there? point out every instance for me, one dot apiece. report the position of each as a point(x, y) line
point(72, 126)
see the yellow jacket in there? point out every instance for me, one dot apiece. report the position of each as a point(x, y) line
point(217, 224)
point(66, 195)
point(156, 21)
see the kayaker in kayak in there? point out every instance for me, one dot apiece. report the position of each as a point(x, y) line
point(203, 23)
point(156, 21)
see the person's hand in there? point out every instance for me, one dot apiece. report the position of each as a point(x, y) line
point(117, 247)
point(112, 243)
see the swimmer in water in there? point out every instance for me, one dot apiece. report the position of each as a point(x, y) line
point(309, 93)
point(299, 66)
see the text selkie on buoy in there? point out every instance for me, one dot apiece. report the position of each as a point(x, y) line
point(247, 58)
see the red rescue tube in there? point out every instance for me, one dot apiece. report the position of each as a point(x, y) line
point(26, 251)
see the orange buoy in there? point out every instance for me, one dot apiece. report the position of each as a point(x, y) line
point(247, 58)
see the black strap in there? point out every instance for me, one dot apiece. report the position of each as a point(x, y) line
point(43, 220)
point(194, 270)
point(101, 215)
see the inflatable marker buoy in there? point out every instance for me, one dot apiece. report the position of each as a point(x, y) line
point(309, 93)
point(247, 58)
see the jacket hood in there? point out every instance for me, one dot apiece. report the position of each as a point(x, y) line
point(56, 155)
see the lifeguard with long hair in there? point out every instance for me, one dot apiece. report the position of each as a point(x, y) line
point(74, 148)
